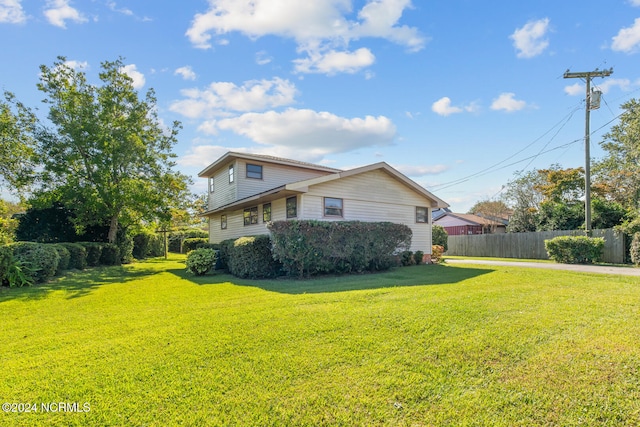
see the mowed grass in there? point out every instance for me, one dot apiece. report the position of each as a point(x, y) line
point(150, 345)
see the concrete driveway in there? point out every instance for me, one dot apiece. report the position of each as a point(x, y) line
point(621, 271)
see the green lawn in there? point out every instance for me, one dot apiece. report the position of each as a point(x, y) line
point(150, 345)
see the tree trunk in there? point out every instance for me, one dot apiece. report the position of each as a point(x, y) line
point(113, 229)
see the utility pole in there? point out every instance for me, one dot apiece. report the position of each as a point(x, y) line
point(591, 104)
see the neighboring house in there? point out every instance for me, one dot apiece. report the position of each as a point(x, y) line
point(457, 224)
point(246, 191)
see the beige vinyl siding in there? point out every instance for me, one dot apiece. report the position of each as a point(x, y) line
point(224, 191)
point(272, 176)
point(371, 196)
point(235, 223)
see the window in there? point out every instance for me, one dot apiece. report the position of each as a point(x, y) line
point(422, 214)
point(230, 174)
point(211, 185)
point(266, 212)
point(292, 207)
point(332, 207)
point(251, 216)
point(223, 222)
point(254, 171)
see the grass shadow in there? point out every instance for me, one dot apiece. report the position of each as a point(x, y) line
point(78, 283)
point(422, 275)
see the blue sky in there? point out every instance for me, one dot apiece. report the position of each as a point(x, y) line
point(459, 95)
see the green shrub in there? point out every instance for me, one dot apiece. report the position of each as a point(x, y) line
point(251, 258)
point(193, 243)
point(440, 237)
point(65, 257)
point(317, 247)
point(176, 239)
point(94, 252)
point(226, 246)
point(110, 254)
point(635, 249)
point(141, 245)
point(407, 259)
point(40, 259)
point(201, 261)
point(575, 249)
point(125, 245)
point(418, 256)
point(6, 260)
point(156, 245)
point(78, 255)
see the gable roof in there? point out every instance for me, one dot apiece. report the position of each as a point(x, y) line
point(303, 187)
point(470, 218)
point(231, 155)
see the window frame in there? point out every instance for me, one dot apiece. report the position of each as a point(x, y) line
point(340, 209)
point(231, 173)
point(248, 173)
point(265, 212)
point(223, 222)
point(295, 207)
point(252, 217)
point(425, 215)
point(211, 184)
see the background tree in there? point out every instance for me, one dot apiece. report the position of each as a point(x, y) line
point(524, 199)
point(108, 155)
point(17, 145)
point(495, 210)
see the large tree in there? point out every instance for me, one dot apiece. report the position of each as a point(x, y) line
point(17, 145)
point(107, 155)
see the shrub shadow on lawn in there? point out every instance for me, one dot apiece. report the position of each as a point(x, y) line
point(76, 283)
point(422, 275)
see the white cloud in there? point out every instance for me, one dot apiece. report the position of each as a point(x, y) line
point(507, 102)
point(59, 11)
point(416, 171)
point(321, 28)
point(574, 89)
point(137, 77)
point(634, 2)
point(219, 98)
point(11, 12)
point(628, 38)
point(114, 7)
point(443, 107)
point(310, 134)
point(186, 72)
point(77, 65)
point(263, 58)
point(204, 155)
point(529, 40)
point(333, 62)
point(604, 87)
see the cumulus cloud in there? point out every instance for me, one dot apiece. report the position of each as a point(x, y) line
point(574, 89)
point(219, 98)
point(137, 77)
point(203, 155)
point(321, 28)
point(628, 38)
point(186, 72)
point(507, 102)
point(11, 12)
point(58, 12)
point(604, 87)
point(530, 40)
point(443, 107)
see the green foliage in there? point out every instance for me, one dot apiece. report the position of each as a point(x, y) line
point(251, 258)
point(575, 249)
point(41, 259)
point(65, 257)
point(148, 244)
point(201, 261)
point(439, 236)
point(193, 243)
point(317, 247)
point(407, 259)
point(635, 249)
point(226, 247)
point(78, 255)
point(418, 256)
point(6, 259)
point(17, 144)
point(177, 238)
point(94, 252)
point(606, 213)
point(436, 254)
point(110, 254)
point(561, 216)
point(125, 246)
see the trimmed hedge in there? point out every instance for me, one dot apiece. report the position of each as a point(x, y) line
point(193, 243)
point(40, 259)
point(635, 249)
point(225, 247)
point(65, 258)
point(110, 254)
point(201, 261)
point(78, 255)
point(94, 252)
point(575, 249)
point(315, 247)
point(147, 244)
point(251, 258)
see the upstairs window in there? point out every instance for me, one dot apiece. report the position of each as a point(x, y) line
point(231, 177)
point(266, 212)
point(254, 171)
point(422, 215)
point(223, 222)
point(292, 207)
point(251, 216)
point(211, 187)
point(332, 207)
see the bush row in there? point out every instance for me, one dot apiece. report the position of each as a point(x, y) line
point(315, 247)
point(575, 249)
point(25, 263)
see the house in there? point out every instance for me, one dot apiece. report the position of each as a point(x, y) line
point(247, 191)
point(457, 224)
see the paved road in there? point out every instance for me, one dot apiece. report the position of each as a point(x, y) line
point(622, 271)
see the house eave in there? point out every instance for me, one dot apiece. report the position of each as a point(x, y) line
point(257, 199)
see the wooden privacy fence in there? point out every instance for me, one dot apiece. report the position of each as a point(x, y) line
point(530, 245)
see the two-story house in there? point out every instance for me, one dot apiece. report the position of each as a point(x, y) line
point(246, 191)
